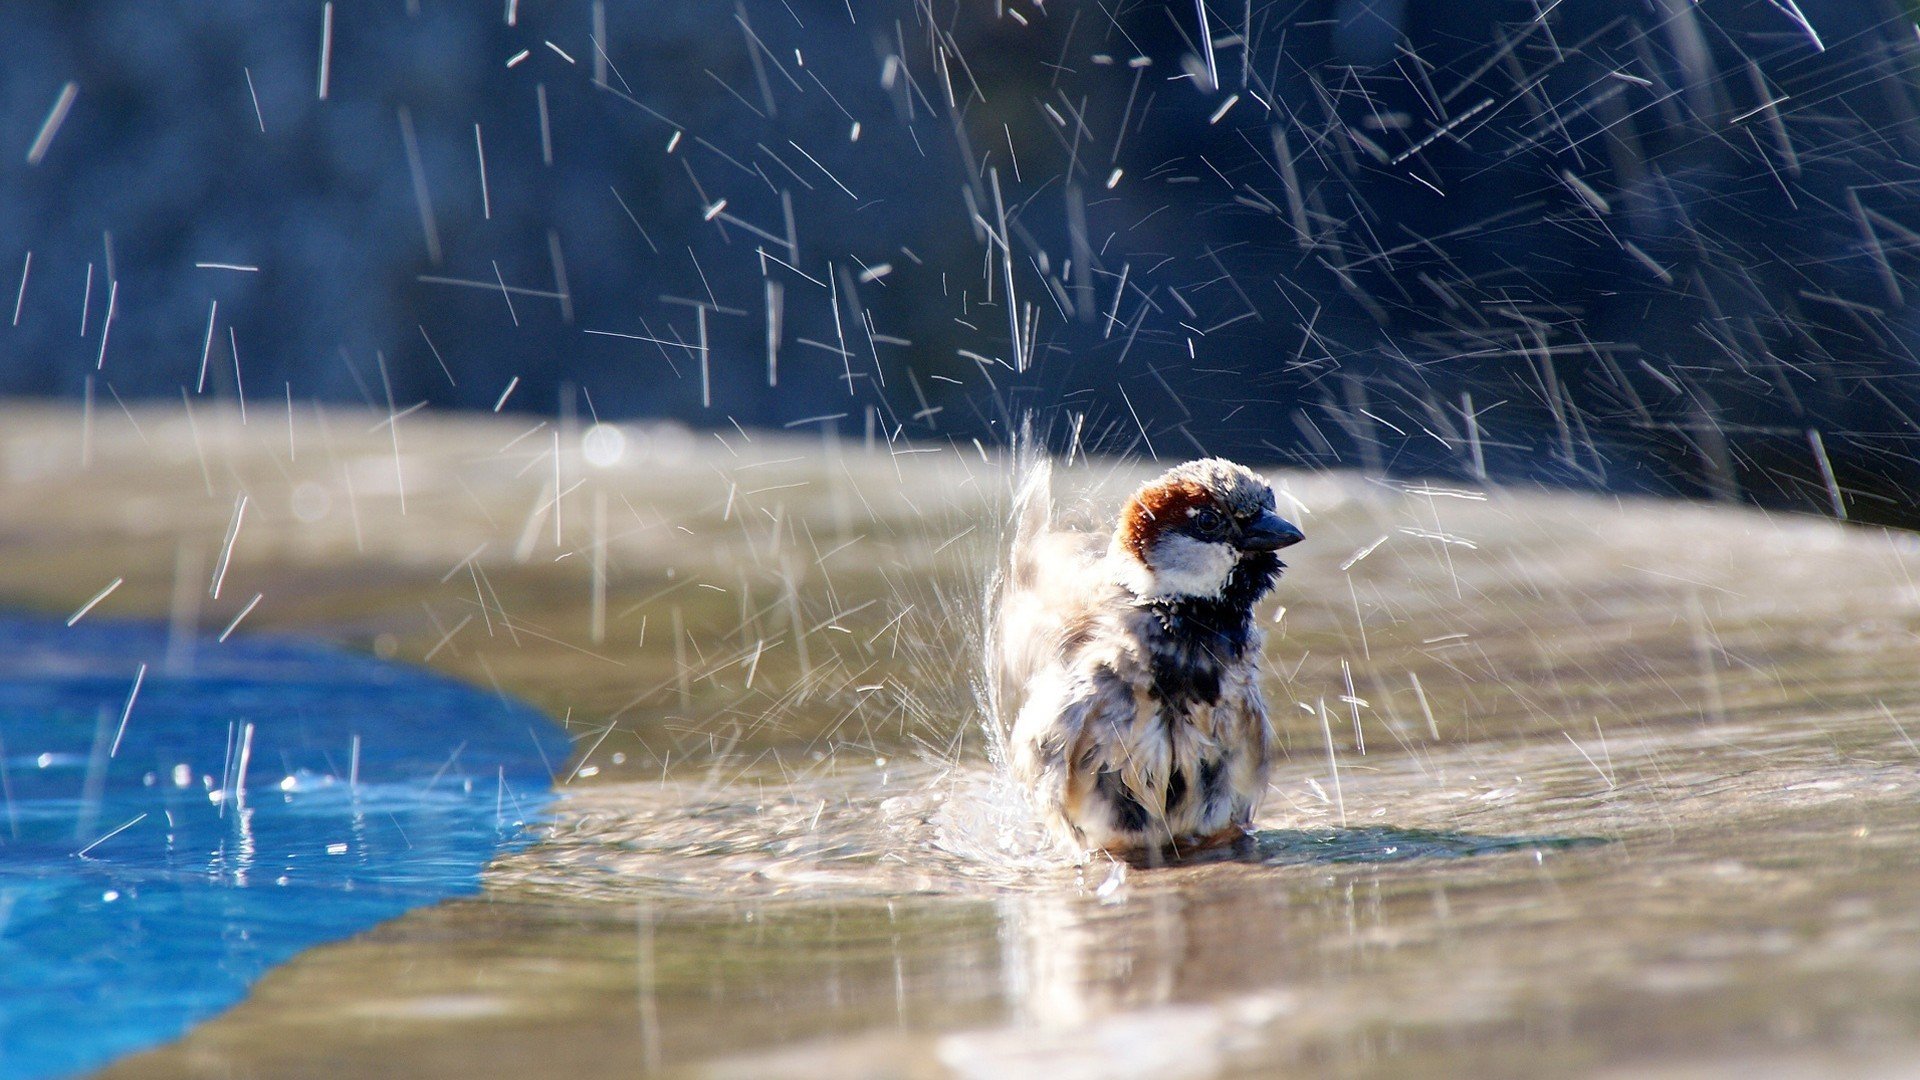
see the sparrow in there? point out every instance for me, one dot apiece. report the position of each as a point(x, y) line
point(1133, 661)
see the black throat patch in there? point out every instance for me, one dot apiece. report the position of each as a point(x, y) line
point(1199, 636)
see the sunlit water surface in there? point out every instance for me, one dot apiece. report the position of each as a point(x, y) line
point(1570, 785)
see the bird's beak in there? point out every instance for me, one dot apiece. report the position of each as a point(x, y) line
point(1270, 532)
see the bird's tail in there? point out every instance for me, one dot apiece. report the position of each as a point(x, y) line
point(1029, 517)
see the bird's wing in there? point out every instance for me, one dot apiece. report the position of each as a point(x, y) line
point(1050, 736)
point(1248, 730)
point(1043, 589)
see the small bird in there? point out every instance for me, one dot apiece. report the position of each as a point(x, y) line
point(1134, 661)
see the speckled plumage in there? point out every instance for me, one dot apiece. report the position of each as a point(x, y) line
point(1134, 664)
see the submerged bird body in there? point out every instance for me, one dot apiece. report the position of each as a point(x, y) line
point(1134, 661)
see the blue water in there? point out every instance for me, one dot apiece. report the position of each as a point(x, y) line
point(115, 940)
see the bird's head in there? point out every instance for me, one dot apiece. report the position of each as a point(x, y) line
point(1204, 530)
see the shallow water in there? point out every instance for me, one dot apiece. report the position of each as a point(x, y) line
point(1572, 786)
point(175, 826)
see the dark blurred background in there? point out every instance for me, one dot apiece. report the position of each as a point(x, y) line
point(1636, 245)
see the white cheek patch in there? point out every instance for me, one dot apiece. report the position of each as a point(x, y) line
point(1184, 566)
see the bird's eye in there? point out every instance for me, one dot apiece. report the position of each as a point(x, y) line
point(1207, 521)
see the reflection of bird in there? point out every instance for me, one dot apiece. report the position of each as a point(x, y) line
point(1140, 724)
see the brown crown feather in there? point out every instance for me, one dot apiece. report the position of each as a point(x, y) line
point(1153, 509)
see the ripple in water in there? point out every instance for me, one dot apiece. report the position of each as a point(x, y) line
point(889, 830)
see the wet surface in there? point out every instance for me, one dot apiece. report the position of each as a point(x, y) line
point(1572, 786)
